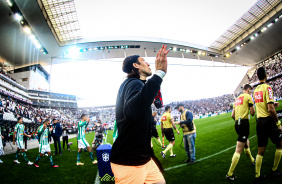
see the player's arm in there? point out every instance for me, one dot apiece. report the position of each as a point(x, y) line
point(14, 136)
point(174, 126)
point(273, 114)
point(233, 114)
point(251, 106)
point(252, 110)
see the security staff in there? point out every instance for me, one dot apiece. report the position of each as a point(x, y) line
point(189, 133)
point(268, 125)
point(243, 104)
point(166, 125)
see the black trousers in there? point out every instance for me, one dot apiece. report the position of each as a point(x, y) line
point(56, 144)
point(65, 140)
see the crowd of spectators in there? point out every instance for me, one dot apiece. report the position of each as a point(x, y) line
point(273, 67)
point(3, 72)
point(276, 85)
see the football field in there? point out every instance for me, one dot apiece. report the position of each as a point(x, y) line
point(215, 145)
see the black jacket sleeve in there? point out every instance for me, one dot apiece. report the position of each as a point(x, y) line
point(187, 121)
point(139, 97)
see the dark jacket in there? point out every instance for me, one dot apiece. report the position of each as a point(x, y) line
point(58, 130)
point(134, 121)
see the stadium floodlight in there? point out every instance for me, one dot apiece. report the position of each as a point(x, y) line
point(199, 52)
point(18, 17)
point(74, 51)
point(227, 55)
point(27, 30)
point(9, 3)
point(238, 48)
point(126, 46)
point(203, 53)
point(280, 16)
point(216, 56)
point(256, 35)
point(32, 37)
point(252, 37)
point(269, 25)
point(170, 48)
point(95, 48)
point(174, 49)
point(116, 47)
point(263, 29)
point(187, 50)
point(276, 20)
point(122, 47)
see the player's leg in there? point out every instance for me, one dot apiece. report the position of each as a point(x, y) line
point(80, 147)
point(64, 141)
point(235, 159)
point(17, 154)
point(262, 134)
point(248, 151)
point(278, 154)
point(50, 156)
point(171, 150)
point(25, 157)
point(170, 137)
point(91, 155)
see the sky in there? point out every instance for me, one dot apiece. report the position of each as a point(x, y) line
point(199, 22)
point(96, 82)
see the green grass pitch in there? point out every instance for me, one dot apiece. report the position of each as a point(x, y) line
point(215, 145)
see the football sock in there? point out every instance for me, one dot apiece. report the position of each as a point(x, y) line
point(51, 159)
point(25, 158)
point(17, 153)
point(160, 141)
point(91, 155)
point(78, 156)
point(277, 158)
point(235, 160)
point(171, 151)
point(168, 148)
point(258, 165)
point(37, 159)
point(249, 155)
point(163, 142)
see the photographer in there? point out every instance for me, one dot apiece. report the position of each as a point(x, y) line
point(189, 133)
point(98, 139)
point(65, 137)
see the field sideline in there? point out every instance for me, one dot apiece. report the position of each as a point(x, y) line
point(215, 145)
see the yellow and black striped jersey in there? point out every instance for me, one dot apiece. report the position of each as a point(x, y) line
point(263, 95)
point(241, 106)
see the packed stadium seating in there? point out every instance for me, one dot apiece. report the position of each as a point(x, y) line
point(273, 67)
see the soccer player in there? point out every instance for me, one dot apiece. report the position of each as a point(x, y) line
point(154, 129)
point(268, 125)
point(44, 147)
point(18, 136)
point(243, 104)
point(82, 143)
point(132, 159)
point(166, 125)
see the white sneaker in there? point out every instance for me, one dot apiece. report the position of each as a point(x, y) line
point(29, 163)
point(16, 161)
point(46, 155)
point(1, 162)
point(26, 150)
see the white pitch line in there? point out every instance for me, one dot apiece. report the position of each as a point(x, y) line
point(201, 159)
point(97, 180)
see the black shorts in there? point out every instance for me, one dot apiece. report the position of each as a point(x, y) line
point(168, 132)
point(155, 133)
point(266, 128)
point(243, 130)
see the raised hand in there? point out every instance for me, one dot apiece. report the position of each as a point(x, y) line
point(161, 59)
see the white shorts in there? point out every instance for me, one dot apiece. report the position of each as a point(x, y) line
point(82, 143)
point(44, 148)
point(20, 144)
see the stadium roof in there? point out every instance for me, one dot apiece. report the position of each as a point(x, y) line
point(56, 31)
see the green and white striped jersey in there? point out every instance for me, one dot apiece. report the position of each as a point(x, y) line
point(19, 128)
point(43, 135)
point(81, 129)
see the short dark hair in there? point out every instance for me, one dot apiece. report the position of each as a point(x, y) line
point(53, 119)
point(261, 73)
point(19, 118)
point(134, 72)
point(247, 86)
point(83, 115)
point(45, 121)
point(167, 108)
